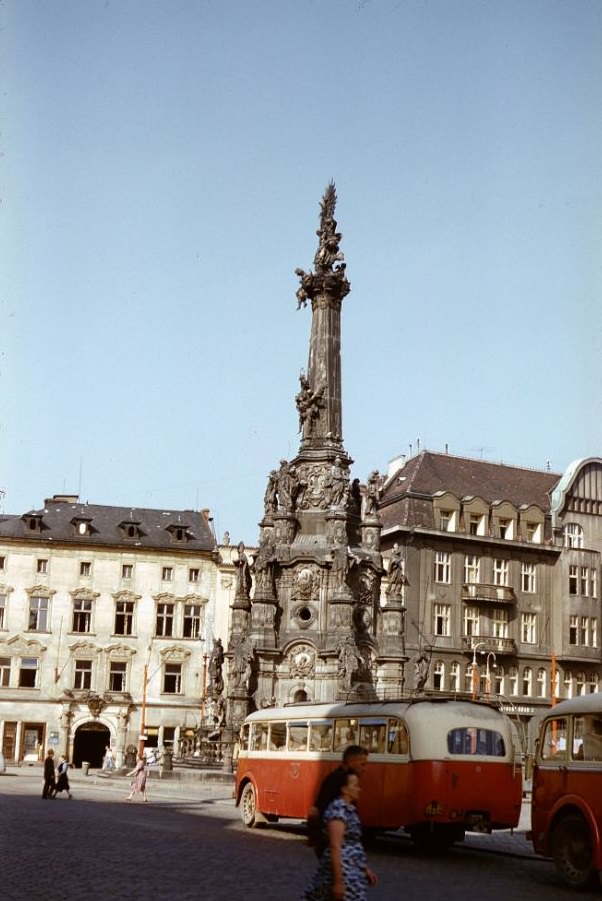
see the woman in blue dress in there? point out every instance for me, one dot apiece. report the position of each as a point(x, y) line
point(343, 874)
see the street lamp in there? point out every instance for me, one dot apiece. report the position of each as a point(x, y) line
point(488, 673)
point(142, 737)
point(475, 668)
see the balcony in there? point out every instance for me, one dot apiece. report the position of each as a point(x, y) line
point(478, 592)
point(488, 644)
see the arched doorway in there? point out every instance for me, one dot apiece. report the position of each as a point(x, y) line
point(89, 743)
point(299, 696)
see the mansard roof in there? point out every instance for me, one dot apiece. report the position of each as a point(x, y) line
point(59, 517)
point(408, 494)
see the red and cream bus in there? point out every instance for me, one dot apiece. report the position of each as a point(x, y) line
point(566, 810)
point(436, 767)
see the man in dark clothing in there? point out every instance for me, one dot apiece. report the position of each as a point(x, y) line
point(355, 759)
point(49, 775)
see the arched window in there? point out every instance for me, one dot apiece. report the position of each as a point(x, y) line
point(439, 676)
point(527, 681)
point(557, 684)
point(542, 681)
point(468, 677)
point(513, 680)
point(499, 680)
point(580, 687)
point(593, 684)
point(573, 535)
point(568, 685)
point(454, 676)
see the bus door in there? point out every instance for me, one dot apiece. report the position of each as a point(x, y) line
point(553, 756)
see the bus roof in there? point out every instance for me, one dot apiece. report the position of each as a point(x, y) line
point(583, 704)
point(418, 706)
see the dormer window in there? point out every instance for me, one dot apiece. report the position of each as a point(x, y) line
point(179, 533)
point(33, 522)
point(131, 529)
point(82, 525)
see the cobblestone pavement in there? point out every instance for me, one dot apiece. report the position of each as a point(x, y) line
point(188, 843)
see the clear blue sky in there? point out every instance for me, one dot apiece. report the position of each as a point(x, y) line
point(162, 168)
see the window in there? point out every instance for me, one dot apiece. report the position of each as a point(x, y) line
point(470, 740)
point(82, 615)
point(529, 628)
point(127, 571)
point(454, 676)
point(471, 621)
point(85, 568)
point(320, 736)
point(442, 617)
point(373, 735)
point(574, 630)
point(124, 618)
point(346, 732)
point(38, 614)
point(2, 563)
point(584, 631)
point(594, 630)
point(169, 737)
point(499, 681)
point(28, 672)
point(468, 674)
point(297, 736)
point(167, 573)
point(499, 622)
point(527, 578)
point(573, 535)
point(397, 737)
point(592, 683)
point(593, 582)
point(192, 621)
point(500, 572)
point(447, 521)
point(194, 575)
point(472, 569)
point(573, 579)
point(513, 680)
point(553, 745)
point(82, 677)
point(506, 529)
point(442, 567)
point(4, 672)
point(117, 675)
point(527, 681)
point(2, 611)
point(534, 532)
point(584, 581)
point(165, 620)
point(476, 524)
point(42, 566)
point(542, 682)
point(439, 676)
point(172, 678)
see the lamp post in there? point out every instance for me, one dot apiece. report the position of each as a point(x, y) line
point(142, 737)
point(488, 673)
point(475, 668)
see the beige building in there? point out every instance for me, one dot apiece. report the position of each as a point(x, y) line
point(502, 576)
point(108, 616)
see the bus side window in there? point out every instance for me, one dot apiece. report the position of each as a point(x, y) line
point(345, 733)
point(259, 736)
point(277, 736)
point(397, 737)
point(320, 737)
point(372, 737)
point(244, 737)
point(553, 746)
point(297, 736)
point(592, 737)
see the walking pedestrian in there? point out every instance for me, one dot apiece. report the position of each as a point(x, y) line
point(138, 783)
point(62, 783)
point(108, 761)
point(354, 759)
point(343, 873)
point(49, 775)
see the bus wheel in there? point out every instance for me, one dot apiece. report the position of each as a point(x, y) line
point(571, 845)
point(248, 806)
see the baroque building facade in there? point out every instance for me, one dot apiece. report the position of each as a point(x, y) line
point(108, 616)
point(501, 573)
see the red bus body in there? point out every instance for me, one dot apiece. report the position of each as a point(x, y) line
point(425, 772)
point(566, 810)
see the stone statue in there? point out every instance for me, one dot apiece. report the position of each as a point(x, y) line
point(397, 577)
point(308, 404)
point(289, 486)
point(216, 661)
point(328, 252)
point(372, 493)
point(421, 670)
point(262, 565)
point(243, 573)
point(242, 663)
point(270, 498)
point(340, 566)
point(349, 659)
point(226, 539)
point(336, 485)
point(354, 499)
